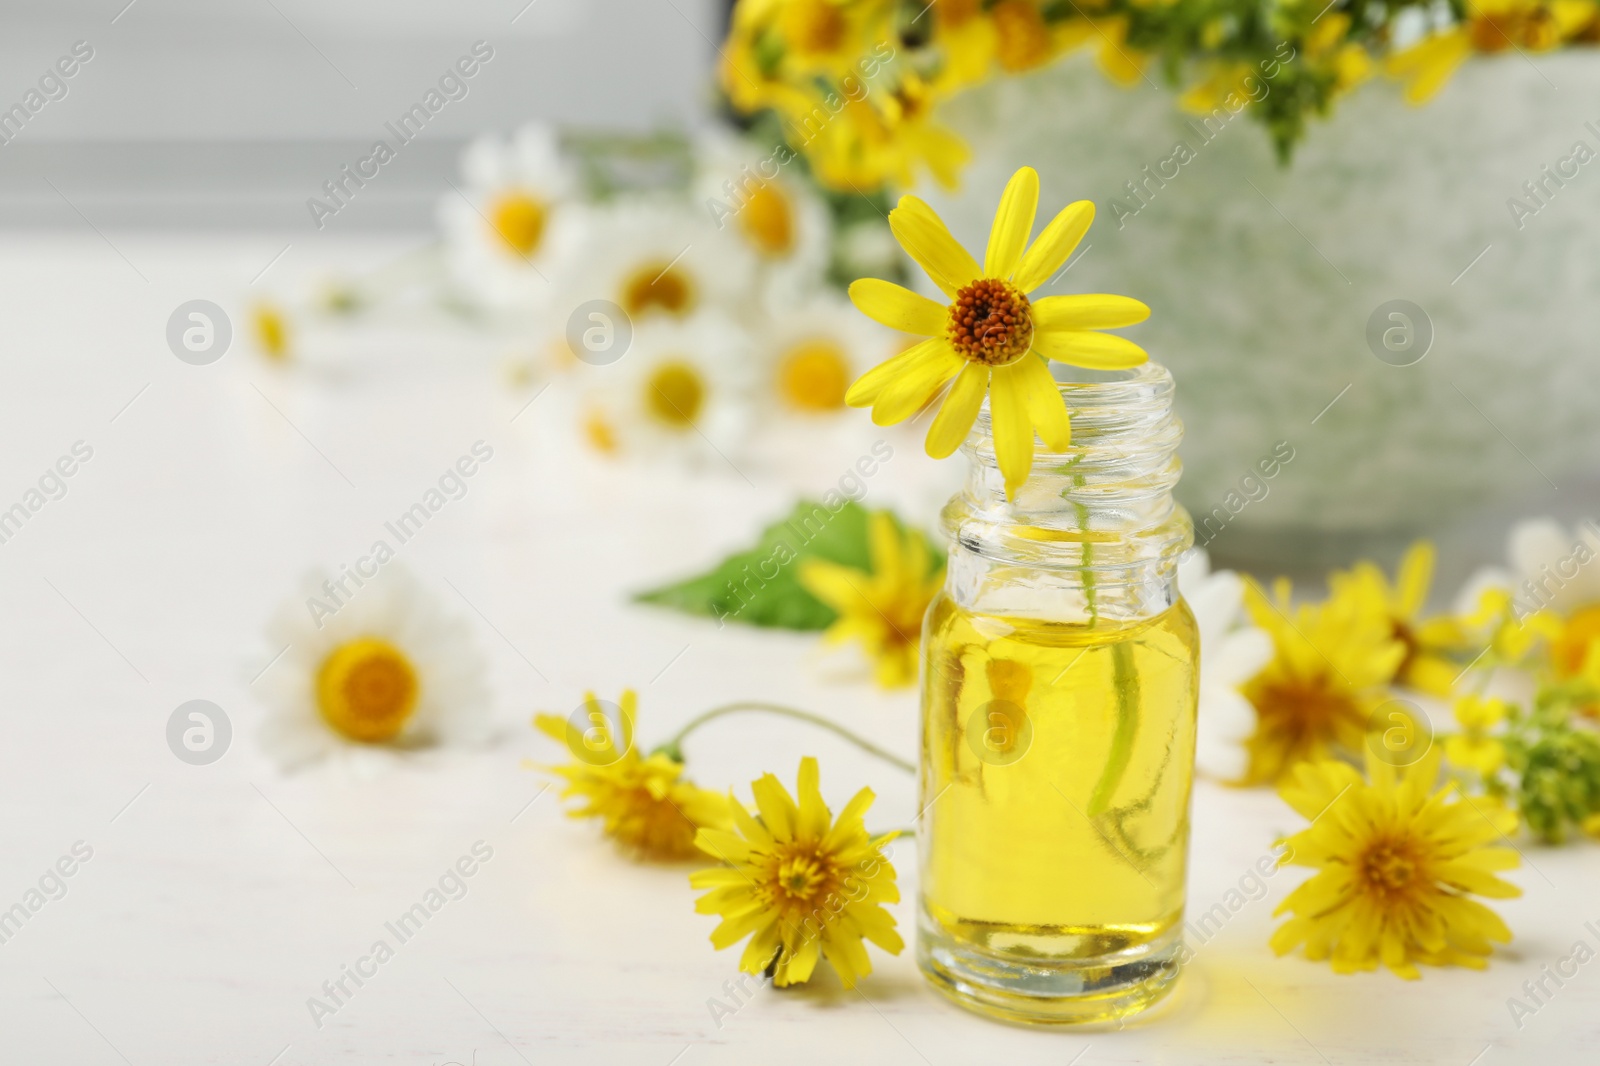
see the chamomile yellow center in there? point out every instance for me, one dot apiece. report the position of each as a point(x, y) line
point(367, 690)
point(519, 219)
point(812, 27)
point(658, 286)
point(814, 375)
point(675, 392)
point(767, 220)
point(990, 323)
point(272, 331)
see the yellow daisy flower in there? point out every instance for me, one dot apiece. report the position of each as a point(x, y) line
point(883, 610)
point(1397, 864)
point(990, 338)
point(1474, 748)
point(1430, 664)
point(1317, 695)
point(801, 885)
point(646, 804)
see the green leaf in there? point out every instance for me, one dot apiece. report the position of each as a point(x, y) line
point(761, 585)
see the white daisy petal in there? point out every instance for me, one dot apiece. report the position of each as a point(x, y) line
point(510, 220)
point(451, 699)
point(681, 391)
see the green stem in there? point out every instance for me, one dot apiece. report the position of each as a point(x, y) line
point(1125, 678)
point(673, 748)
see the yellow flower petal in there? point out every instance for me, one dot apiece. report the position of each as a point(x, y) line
point(1013, 221)
point(817, 896)
point(864, 392)
point(1013, 434)
point(777, 807)
point(1395, 869)
point(959, 411)
point(1068, 313)
point(927, 240)
point(1411, 583)
point(919, 383)
point(1054, 245)
point(1086, 348)
point(898, 307)
point(883, 547)
point(1046, 409)
point(812, 822)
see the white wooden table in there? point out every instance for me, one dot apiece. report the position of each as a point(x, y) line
point(219, 898)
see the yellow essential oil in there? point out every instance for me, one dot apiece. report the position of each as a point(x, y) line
point(1056, 765)
point(1059, 674)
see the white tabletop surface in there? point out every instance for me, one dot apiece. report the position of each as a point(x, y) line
point(219, 898)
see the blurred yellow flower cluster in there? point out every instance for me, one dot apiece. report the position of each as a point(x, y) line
point(1510, 677)
point(1490, 27)
point(855, 84)
point(1336, 662)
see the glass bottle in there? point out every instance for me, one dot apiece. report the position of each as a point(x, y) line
point(1058, 721)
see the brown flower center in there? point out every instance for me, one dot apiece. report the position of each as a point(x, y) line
point(658, 286)
point(675, 393)
point(1388, 866)
point(990, 323)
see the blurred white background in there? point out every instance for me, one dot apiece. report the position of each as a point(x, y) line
point(194, 113)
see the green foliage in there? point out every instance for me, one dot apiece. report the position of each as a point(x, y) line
point(1557, 765)
point(761, 585)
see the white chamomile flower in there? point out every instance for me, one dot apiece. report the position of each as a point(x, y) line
point(658, 262)
point(507, 226)
point(1551, 567)
point(682, 388)
point(759, 196)
point(1232, 651)
point(370, 666)
point(811, 352)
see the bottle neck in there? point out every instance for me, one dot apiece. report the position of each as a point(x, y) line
point(1094, 535)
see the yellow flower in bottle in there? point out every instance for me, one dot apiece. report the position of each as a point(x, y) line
point(1317, 696)
point(1397, 864)
point(990, 338)
point(644, 803)
point(1475, 747)
point(1430, 664)
point(802, 886)
point(883, 609)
